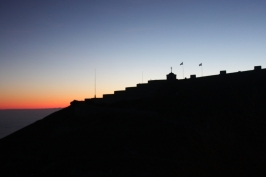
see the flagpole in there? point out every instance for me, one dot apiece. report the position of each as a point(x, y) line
point(201, 70)
point(183, 71)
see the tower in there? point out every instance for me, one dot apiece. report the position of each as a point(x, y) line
point(171, 76)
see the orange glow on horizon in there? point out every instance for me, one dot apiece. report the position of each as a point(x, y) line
point(44, 98)
point(33, 105)
point(37, 103)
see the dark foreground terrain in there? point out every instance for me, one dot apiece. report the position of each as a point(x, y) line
point(200, 128)
point(12, 120)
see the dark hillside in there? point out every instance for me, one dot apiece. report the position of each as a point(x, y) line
point(201, 127)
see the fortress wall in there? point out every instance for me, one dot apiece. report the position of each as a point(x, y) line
point(108, 95)
point(219, 83)
point(141, 90)
point(142, 85)
point(109, 99)
point(156, 82)
point(120, 92)
point(208, 84)
point(130, 88)
point(116, 98)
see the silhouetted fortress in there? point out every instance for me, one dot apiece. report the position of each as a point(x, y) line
point(151, 88)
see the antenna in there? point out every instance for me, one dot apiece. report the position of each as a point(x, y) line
point(95, 83)
point(142, 77)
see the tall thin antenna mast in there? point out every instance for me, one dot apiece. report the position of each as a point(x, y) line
point(142, 77)
point(95, 83)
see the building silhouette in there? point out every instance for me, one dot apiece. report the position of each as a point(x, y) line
point(150, 89)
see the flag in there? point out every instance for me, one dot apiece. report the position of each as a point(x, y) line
point(181, 63)
point(200, 64)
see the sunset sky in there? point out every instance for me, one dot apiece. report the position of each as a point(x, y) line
point(49, 49)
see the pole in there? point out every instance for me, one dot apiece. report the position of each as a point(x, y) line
point(95, 83)
point(201, 71)
point(183, 71)
point(142, 77)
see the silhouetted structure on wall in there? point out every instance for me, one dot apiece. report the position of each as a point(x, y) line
point(222, 72)
point(193, 76)
point(151, 88)
point(171, 76)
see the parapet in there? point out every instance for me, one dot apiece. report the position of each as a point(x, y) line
point(171, 76)
point(256, 68)
point(107, 95)
point(223, 72)
point(142, 85)
point(149, 89)
point(193, 76)
point(119, 92)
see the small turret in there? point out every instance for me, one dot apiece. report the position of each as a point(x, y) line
point(193, 76)
point(223, 72)
point(171, 76)
point(257, 68)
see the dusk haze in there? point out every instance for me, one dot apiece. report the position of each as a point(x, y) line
point(52, 51)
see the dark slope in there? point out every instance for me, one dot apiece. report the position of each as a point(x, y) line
point(199, 128)
point(108, 141)
point(11, 120)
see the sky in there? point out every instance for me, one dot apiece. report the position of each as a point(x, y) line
point(50, 50)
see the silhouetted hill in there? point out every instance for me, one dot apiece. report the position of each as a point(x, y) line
point(12, 120)
point(202, 127)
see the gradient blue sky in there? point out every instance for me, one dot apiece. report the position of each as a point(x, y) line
point(49, 49)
